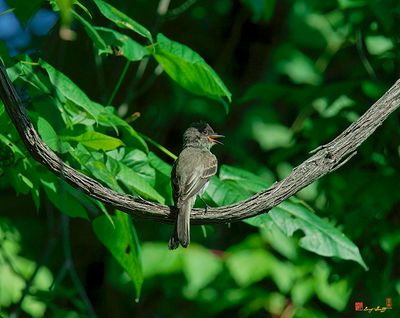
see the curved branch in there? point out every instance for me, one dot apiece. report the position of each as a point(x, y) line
point(326, 158)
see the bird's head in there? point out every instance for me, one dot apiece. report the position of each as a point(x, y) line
point(200, 135)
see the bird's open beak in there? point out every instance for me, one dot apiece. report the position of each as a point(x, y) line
point(214, 138)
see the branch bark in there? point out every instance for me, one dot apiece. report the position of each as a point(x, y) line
point(326, 158)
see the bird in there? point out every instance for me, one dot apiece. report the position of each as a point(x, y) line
point(190, 175)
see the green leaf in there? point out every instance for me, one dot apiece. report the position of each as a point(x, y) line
point(65, 87)
point(100, 171)
point(347, 4)
point(103, 115)
point(15, 270)
point(200, 260)
point(271, 136)
point(335, 294)
point(137, 184)
point(302, 291)
point(299, 67)
point(224, 193)
point(63, 196)
point(249, 266)
point(138, 161)
point(160, 165)
point(277, 239)
point(378, 44)
point(98, 41)
point(189, 69)
point(24, 10)
point(121, 19)
point(245, 179)
point(127, 47)
point(48, 134)
point(96, 140)
point(121, 240)
point(319, 236)
point(158, 260)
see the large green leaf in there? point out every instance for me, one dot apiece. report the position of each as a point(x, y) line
point(135, 183)
point(138, 161)
point(124, 45)
point(189, 69)
point(121, 19)
point(121, 240)
point(101, 172)
point(96, 140)
point(319, 237)
point(69, 91)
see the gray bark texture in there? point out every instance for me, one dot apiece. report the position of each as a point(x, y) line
point(325, 159)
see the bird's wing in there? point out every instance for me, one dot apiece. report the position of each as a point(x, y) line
point(199, 177)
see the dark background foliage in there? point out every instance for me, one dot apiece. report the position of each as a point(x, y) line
point(299, 71)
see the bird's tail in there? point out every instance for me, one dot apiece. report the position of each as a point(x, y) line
point(181, 233)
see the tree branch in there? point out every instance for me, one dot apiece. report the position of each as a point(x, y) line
point(326, 158)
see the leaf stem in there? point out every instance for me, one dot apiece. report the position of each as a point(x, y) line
point(121, 78)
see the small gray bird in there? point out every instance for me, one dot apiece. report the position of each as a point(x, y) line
point(190, 175)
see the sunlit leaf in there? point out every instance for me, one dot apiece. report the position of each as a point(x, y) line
point(378, 44)
point(138, 161)
point(319, 237)
point(102, 115)
point(189, 69)
point(48, 134)
point(96, 140)
point(121, 19)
